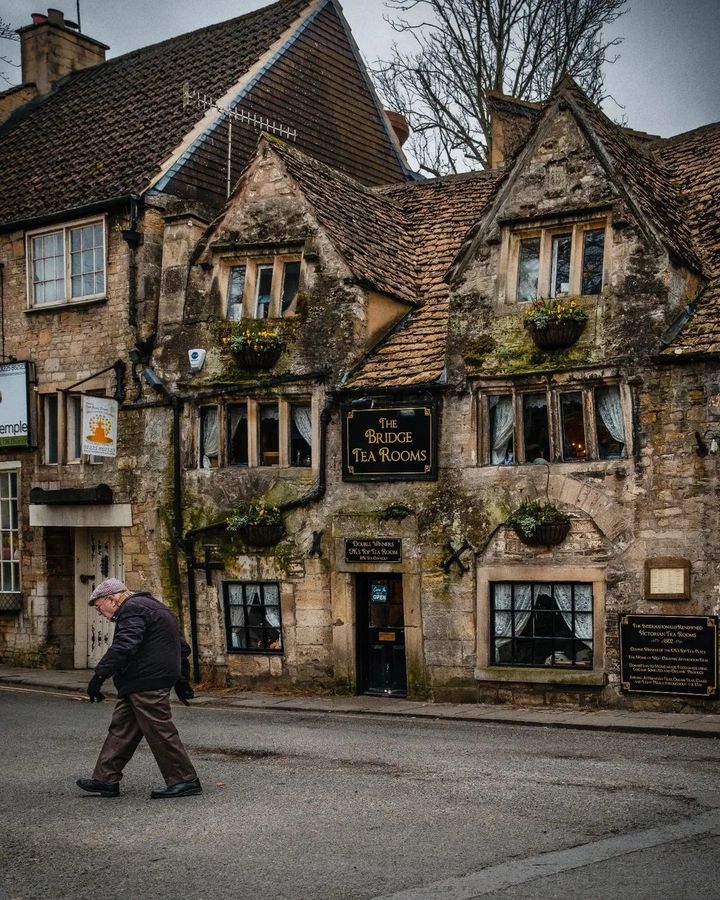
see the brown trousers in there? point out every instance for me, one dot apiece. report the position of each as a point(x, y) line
point(144, 715)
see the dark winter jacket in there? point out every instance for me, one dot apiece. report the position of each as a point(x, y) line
point(147, 652)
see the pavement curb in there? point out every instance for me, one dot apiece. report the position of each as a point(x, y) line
point(563, 719)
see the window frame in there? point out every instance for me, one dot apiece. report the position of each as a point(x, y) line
point(7, 470)
point(251, 651)
point(284, 403)
point(546, 233)
point(556, 433)
point(253, 264)
point(485, 671)
point(532, 612)
point(65, 229)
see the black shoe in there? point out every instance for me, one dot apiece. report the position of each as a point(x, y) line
point(93, 786)
point(184, 789)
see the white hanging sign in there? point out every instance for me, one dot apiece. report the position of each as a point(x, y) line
point(14, 409)
point(99, 426)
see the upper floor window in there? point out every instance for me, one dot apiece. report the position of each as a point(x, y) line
point(554, 262)
point(269, 433)
point(67, 264)
point(559, 424)
point(263, 289)
point(62, 417)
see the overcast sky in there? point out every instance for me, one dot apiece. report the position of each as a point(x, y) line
point(667, 79)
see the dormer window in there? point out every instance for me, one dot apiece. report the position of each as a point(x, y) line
point(263, 288)
point(66, 264)
point(556, 261)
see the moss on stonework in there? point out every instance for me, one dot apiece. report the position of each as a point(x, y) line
point(509, 350)
point(418, 684)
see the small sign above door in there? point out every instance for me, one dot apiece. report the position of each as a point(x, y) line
point(363, 550)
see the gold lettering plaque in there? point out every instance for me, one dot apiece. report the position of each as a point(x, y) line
point(386, 636)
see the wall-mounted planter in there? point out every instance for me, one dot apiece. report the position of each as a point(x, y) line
point(261, 535)
point(556, 335)
point(249, 358)
point(548, 534)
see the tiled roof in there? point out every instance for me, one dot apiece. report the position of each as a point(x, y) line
point(438, 212)
point(104, 133)
point(367, 227)
point(649, 181)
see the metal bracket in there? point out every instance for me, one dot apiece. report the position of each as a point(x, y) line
point(316, 546)
point(454, 558)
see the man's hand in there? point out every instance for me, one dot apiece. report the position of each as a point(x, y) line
point(184, 691)
point(93, 689)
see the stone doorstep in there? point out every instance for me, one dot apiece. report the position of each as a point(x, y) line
point(676, 724)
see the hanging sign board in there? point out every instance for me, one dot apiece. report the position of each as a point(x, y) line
point(14, 405)
point(669, 654)
point(390, 443)
point(362, 550)
point(99, 426)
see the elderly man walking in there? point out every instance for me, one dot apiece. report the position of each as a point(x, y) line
point(146, 658)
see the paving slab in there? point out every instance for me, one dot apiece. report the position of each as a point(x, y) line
point(681, 724)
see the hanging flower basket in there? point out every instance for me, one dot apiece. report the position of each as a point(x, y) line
point(555, 324)
point(250, 358)
point(539, 524)
point(262, 535)
point(258, 523)
point(255, 344)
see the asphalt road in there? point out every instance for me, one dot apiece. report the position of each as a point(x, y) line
point(323, 807)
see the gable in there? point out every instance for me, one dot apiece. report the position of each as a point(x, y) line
point(314, 85)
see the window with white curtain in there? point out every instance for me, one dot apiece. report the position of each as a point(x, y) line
point(542, 624)
point(252, 617)
point(300, 434)
point(567, 423)
point(209, 438)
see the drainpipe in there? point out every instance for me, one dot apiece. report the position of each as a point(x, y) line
point(134, 239)
point(181, 543)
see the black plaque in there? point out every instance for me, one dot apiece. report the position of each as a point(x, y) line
point(669, 654)
point(390, 443)
point(362, 550)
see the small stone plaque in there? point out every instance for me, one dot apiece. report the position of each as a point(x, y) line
point(667, 578)
point(669, 655)
point(362, 550)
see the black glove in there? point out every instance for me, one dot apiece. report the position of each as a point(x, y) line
point(184, 691)
point(93, 689)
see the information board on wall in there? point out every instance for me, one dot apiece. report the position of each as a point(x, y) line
point(14, 405)
point(362, 550)
point(389, 443)
point(669, 654)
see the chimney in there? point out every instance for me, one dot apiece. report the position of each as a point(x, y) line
point(52, 48)
point(399, 125)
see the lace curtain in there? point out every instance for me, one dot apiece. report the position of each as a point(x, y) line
point(210, 437)
point(503, 610)
point(502, 430)
point(583, 604)
point(302, 420)
point(610, 409)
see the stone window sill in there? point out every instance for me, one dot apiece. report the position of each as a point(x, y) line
point(540, 675)
point(63, 307)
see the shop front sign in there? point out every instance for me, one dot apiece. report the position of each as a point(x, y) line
point(14, 405)
point(669, 654)
point(390, 443)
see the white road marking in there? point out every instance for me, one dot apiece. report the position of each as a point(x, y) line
point(505, 875)
point(26, 690)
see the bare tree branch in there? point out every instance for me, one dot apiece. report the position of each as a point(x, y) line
point(8, 33)
point(466, 48)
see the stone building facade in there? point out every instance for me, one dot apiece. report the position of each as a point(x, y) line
point(402, 307)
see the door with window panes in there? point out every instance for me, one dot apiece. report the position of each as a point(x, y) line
point(98, 556)
point(381, 635)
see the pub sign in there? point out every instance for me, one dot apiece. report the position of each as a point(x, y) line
point(390, 442)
